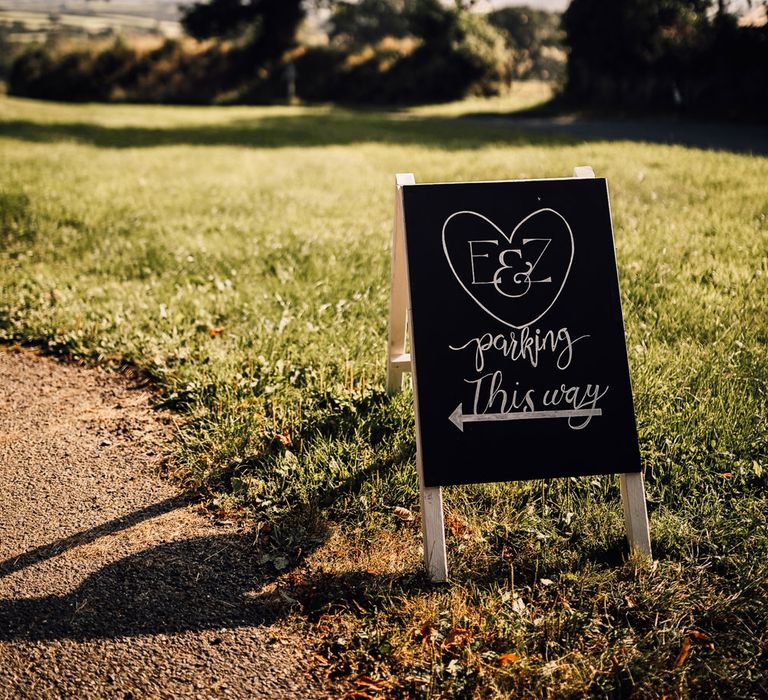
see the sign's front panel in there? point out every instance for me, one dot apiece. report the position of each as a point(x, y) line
point(520, 362)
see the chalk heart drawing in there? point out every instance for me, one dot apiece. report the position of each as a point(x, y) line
point(514, 277)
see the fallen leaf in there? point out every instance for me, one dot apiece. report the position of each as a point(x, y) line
point(404, 514)
point(701, 638)
point(426, 633)
point(284, 438)
point(416, 681)
point(370, 684)
point(692, 636)
point(683, 655)
point(455, 638)
point(509, 658)
point(457, 526)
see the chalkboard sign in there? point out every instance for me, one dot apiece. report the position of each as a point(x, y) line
point(517, 339)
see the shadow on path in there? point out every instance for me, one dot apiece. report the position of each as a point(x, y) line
point(208, 582)
point(202, 583)
point(194, 584)
point(737, 138)
point(48, 551)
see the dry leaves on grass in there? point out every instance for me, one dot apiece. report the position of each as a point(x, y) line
point(284, 438)
point(319, 660)
point(456, 639)
point(368, 689)
point(457, 526)
point(692, 637)
point(427, 634)
point(403, 514)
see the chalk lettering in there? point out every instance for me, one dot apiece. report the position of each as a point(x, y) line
point(524, 276)
point(490, 397)
point(473, 256)
point(489, 387)
point(523, 346)
point(577, 398)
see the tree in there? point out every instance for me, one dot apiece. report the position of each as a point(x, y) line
point(459, 51)
point(534, 39)
point(630, 47)
point(689, 55)
point(357, 24)
point(264, 28)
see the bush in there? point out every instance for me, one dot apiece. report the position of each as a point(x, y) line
point(76, 76)
point(182, 73)
point(535, 41)
point(457, 53)
point(446, 54)
point(356, 25)
point(174, 72)
point(318, 73)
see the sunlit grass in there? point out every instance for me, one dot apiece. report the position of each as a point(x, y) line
point(241, 257)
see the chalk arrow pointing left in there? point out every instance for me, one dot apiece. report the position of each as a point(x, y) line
point(458, 417)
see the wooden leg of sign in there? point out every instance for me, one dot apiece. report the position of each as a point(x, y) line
point(398, 362)
point(397, 359)
point(632, 489)
point(432, 525)
point(433, 528)
point(635, 514)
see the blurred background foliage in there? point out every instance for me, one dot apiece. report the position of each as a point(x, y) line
point(698, 57)
point(690, 54)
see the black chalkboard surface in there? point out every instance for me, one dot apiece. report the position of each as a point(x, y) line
point(517, 339)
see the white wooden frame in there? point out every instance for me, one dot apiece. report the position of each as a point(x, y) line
point(631, 483)
point(399, 362)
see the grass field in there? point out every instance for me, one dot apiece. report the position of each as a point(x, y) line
point(240, 256)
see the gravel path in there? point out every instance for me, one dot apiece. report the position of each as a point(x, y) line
point(111, 586)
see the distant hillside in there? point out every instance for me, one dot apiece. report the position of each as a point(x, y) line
point(167, 10)
point(31, 20)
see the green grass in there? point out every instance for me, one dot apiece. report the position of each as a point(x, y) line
point(240, 256)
